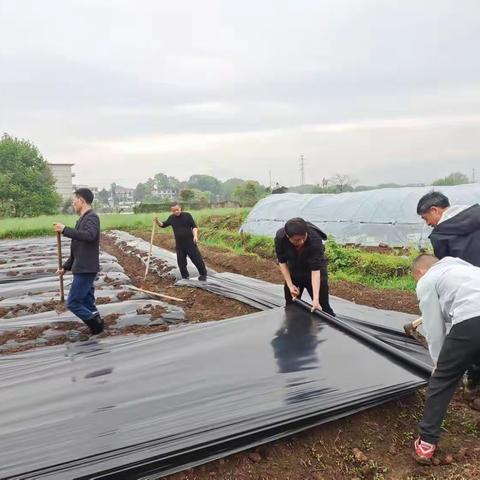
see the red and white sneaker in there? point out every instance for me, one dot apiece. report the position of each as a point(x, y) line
point(424, 451)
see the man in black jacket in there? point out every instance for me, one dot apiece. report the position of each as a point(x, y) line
point(456, 229)
point(185, 231)
point(83, 261)
point(301, 257)
point(456, 233)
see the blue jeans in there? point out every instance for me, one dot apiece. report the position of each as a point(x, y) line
point(81, 298)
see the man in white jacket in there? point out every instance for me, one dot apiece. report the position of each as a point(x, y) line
point(449, 294)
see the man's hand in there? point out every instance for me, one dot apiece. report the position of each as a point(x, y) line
point(294, 291)
point(315, 305)
point(195, 239)
point(58, 227)
point(158, 222)
point(60, 272)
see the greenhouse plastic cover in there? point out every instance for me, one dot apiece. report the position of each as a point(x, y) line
point(385, 216)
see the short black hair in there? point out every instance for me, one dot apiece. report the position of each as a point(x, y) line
point(175, 204)
point(296, 226)
point(84, 193)
point(432, 199)
point(422, 259)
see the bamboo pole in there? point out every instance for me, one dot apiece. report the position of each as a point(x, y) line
point(150, 251)
point(59, 255)
point(155, 294)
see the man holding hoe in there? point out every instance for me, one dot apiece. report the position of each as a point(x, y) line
point(185, 231)
point(83, 261)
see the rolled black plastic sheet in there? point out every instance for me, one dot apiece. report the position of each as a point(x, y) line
point(129, 408)
point(380, 328)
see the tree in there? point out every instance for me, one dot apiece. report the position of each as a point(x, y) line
point(229, 186)
point(246, 195)
point(455, 178)
point(67, 207)
point(103, 196)
point(142, 190)
point(27, 187)
point(187, 195)
point(341, 183)
point(163, 182)
point(113, 190)
point(205, 183)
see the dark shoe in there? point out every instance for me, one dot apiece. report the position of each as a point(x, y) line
point(95, 324)
point(185, 278)
point(202, 278)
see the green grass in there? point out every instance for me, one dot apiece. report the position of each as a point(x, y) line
point(40, 226)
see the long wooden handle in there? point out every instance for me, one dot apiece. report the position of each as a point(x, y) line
point(59, 255)
point(154, 294)
point(150, 251)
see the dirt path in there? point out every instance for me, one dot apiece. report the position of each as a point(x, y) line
point(199, 305)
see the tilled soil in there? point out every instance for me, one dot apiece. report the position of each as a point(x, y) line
point(51, 305)
point(199, 305)
point(374, 445)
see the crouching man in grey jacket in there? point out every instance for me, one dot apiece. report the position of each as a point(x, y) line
point(449, 294)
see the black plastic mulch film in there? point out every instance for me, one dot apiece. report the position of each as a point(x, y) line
point(128, 408)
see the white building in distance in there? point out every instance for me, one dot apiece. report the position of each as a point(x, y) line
point(62, 173)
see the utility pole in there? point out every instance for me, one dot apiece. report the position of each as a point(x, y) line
point(302, 170)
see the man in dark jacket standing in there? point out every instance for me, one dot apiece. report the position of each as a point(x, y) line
point(456, 229)
point(301, 257)
point(185, 231)
point(84, 260)
point(456, 233)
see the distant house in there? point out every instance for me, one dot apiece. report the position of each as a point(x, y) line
point(166, 194)
point(62, 173)
point(124, 194)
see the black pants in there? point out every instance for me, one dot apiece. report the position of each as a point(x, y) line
point(305, 282)
point(460, 350)
point(191, 251)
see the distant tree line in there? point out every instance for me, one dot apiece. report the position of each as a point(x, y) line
point(199, 189)
point(27, 187)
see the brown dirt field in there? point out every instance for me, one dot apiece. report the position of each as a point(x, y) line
point(199, 305)
point(374, 445)
point(223, 260)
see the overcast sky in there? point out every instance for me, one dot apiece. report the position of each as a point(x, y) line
point(383, 90)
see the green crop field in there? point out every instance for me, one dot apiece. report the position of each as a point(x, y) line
point(39, 226)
